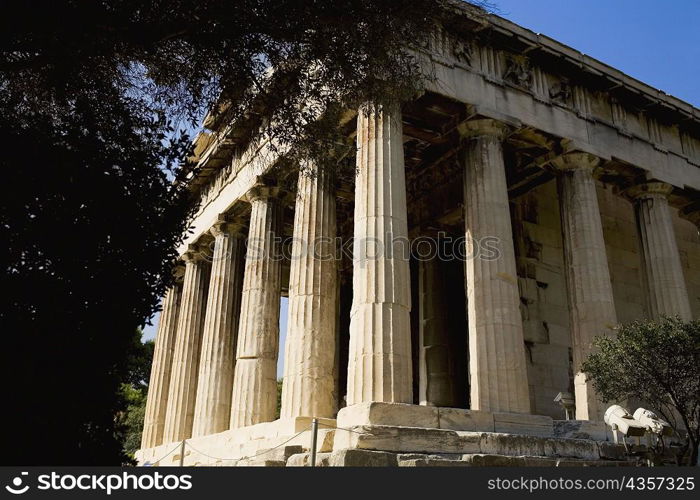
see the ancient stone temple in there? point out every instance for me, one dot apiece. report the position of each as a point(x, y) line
point(531, 199)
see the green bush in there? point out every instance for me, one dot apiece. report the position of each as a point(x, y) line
point(657, 362)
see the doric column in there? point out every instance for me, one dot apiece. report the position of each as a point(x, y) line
point(661, 263)
point(215, 381)
point(379, 367)
point(309, 385)
point(591, 304)
point(255, 381)
point(498, 375)
point(435, 383)
point(183, 382)
point(157, 403)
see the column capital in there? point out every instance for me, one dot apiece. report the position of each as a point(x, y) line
point(310, 168)
point(486, 127)
point(388, 105)
point(576, 160)
point(195, 253)
point(227, 225)
point(178, 271)
point(648, 190)
point(264, 188)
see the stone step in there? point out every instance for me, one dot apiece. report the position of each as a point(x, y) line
point(421, 440)
point(258, 446)
point(283, 453)
point(582, 429)
point(235, 444)
point(434, 417)
point(362, 458)
point(432, 460)
point(481, 460)
point(368, 458)
point(304, 460)
point(260, 463)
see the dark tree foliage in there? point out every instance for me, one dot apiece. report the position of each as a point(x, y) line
point(134, 390)
point(139, 362)
point(88, 221)
point(279, 397)
point(93, 95)
point(132, 423)
point(657, 362)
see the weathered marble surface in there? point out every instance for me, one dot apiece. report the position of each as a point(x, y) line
point(663, 271)
point(255, 381)
point(309, 367)
point(591, 300)
point(159, 385)
point(380, 366)
point(497, 372)
point(185, 366)
point(217, 360)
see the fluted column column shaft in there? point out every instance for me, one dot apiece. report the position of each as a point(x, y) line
point(215, 381)
point(663, 273)
point(380, 367)
point(183, 383)
point(498, 374)
point(309, 384)
point(591, 303)
point(157, 402)
point(255, 381)
point(436, 384)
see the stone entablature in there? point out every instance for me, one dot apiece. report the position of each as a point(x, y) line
point(550, 87)
point(224, 189)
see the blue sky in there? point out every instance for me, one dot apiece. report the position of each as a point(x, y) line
point(650, 40)
point(653, 41)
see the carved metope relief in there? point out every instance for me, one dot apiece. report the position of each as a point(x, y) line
point(462, 51)
point(560, 92)
point(518, 71)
